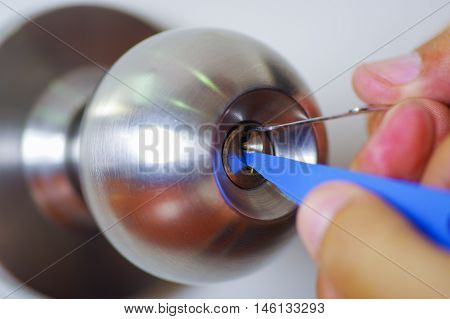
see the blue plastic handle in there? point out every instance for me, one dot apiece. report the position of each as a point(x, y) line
point(427, 208)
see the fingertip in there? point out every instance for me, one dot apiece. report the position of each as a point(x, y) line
point(358, 251)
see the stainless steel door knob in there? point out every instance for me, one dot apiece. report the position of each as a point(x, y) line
point(148, 151)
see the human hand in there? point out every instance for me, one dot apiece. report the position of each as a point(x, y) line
point(363, 248)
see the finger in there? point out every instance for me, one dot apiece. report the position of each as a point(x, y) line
point(367, 250)
point(437, 172)
point(423, 73)
point(438, 111)
point(402, 144)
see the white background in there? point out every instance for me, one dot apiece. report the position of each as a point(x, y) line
point(321, 39)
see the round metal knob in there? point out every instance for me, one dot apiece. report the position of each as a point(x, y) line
point(153, 140)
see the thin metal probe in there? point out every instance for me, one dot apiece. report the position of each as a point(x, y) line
point(354, 111)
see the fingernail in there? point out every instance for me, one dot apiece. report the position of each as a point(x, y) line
point(318, 210)
point(398, 70)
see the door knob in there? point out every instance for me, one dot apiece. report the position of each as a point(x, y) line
point(146, 153)
point(159, 185)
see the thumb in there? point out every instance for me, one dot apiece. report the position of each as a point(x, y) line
point(365, 249)
point(424, 73)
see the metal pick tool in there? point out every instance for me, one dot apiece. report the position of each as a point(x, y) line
point(354, 111)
